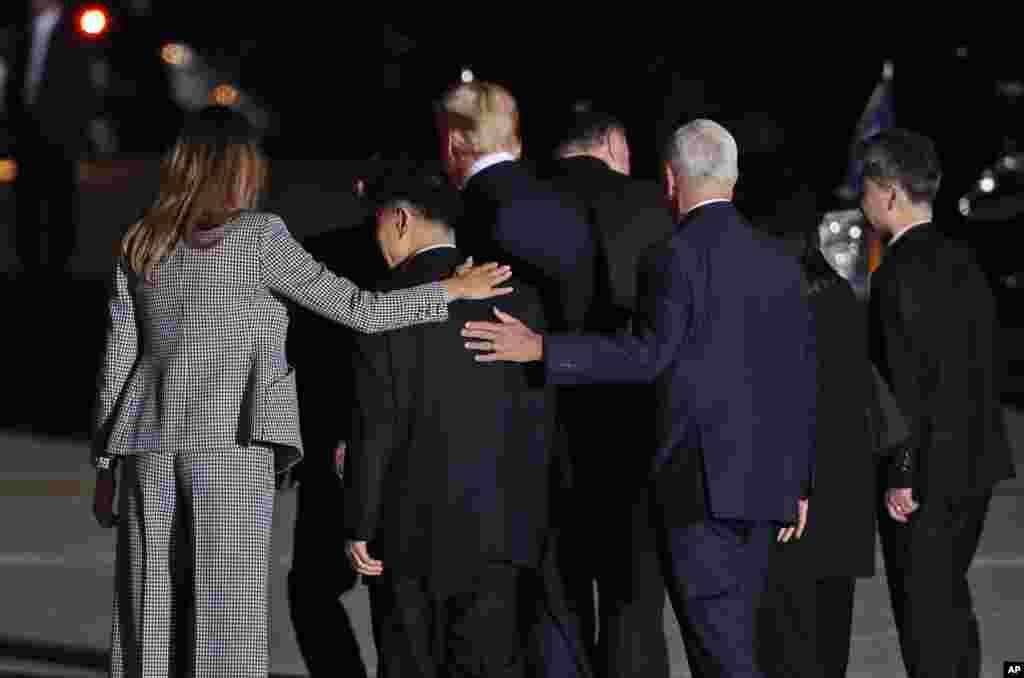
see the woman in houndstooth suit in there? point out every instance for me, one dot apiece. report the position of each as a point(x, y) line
point(197, 402)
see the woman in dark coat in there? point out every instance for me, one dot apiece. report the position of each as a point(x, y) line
point(807, 611)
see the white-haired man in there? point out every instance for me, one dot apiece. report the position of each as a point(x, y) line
point(725, 332)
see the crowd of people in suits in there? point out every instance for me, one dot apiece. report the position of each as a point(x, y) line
point(641, 396)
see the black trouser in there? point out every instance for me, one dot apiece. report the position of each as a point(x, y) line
point(320, 574)
point(614, 544)
point(926, 563)
point(611, 535)
point(716, 572)
point(473, 632)
point(46, 198)
point(804, 625)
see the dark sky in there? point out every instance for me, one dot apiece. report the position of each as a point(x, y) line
point(346, 83)
point(331, 101)
point(325, 67)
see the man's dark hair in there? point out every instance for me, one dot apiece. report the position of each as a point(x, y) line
point(586, 129)
point(422, 186)
point(906, 158)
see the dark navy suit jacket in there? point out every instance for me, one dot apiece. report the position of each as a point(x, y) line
point(520, 220)
point(726, 334)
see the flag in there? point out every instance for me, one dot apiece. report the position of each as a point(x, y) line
point(879, 114)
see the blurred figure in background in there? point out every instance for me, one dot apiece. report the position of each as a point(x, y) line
point(50, 101)
point(806, 613)
point(320, 574)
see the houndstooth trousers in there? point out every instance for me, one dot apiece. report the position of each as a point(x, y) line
point(193, 557)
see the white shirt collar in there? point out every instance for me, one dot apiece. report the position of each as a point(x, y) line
point(432, 247)
point(486, 161)
point(707, 202)
point(913, 225)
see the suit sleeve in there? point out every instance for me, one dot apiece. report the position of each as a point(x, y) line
point(906, 311)
point(120, 353)
point(811, 389)
point(289, 270)
point(549, 235)
point(374, 437)
point(667, 309)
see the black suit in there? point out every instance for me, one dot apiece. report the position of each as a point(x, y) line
point(807, 613)
point(933, 326)
point(50, 135)
point(513, 217)
point(447, 479)
point(611, 500)
point(320, 572)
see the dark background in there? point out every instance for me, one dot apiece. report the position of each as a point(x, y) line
point(343, 83)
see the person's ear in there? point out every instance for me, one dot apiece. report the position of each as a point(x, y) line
point(402, 222)
point(457, 144)
point(450, 144)
point(669, 182)
point(614, 141)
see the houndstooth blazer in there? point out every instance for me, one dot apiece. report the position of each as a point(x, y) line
point(195, 358)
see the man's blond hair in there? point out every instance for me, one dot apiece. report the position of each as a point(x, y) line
point(484, 115)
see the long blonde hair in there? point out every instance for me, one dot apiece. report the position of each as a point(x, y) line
point(214, 170)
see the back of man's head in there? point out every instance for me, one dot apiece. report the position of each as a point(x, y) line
point(420, 187)
point(904, 158)
point(586, 131)
point(483, 115)
point(702, 151)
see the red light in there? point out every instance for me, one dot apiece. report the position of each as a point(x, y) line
point(93, 21)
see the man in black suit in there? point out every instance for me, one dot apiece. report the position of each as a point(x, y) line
point(626, 216)
point(511, 216)
point(50, 101)
point(447, 476)
point(933, 328)
point(722, 329)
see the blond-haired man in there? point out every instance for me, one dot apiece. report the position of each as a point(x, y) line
point(509, 211)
